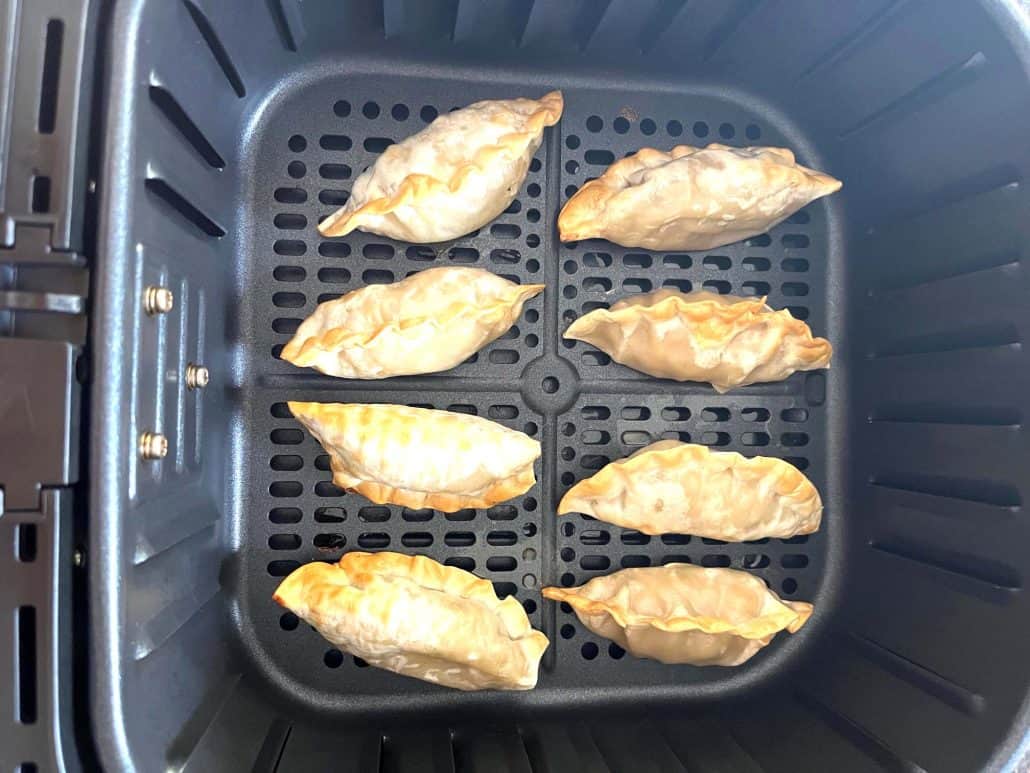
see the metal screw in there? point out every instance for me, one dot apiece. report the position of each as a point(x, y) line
point(158, 300)
point(153, 445)
point(79, 557)
point(197, 376)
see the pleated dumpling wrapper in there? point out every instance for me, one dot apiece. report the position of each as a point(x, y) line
point(416, 617)
point(680, 613)
point(431, 321)
point(683, 488)
point(702, 336)
point(453, 177)
point(692, 198)
point(419, 457)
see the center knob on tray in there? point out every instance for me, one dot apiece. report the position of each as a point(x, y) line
point(550, 384)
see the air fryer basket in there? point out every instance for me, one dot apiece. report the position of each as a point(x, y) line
point(231, 132)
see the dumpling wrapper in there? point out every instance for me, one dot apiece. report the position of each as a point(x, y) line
point(680, 613)
point(683, 488)
point(703, 336)
point(692, 198)
point(428, 322)
point(416, 617)
point(418, 457)
point(453, 177)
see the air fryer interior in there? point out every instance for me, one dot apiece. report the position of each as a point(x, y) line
point(232, 131)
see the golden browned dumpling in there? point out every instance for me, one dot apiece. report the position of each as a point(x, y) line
point(429, 322)
point(415, 617)
point(453, 177)
point(680, 613)
point(692, 198)
point(684, 488)
point(417, 457)
point(702, 336)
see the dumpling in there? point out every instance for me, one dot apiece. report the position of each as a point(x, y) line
point(680, 613)
point(415, 617)
point(702, 336)
point(453, 177)
point(429, 322)
point(692, 198)
point(684, 488)
point(418, 457)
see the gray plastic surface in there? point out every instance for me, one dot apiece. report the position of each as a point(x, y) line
point(217, 167)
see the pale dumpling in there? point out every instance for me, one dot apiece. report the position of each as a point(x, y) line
point(684, 488)
point(692, 198)
point(680, 613)
point(428, 322)
point(702, 336)
point(419, 457)
point(416, 617)
point(453, 177)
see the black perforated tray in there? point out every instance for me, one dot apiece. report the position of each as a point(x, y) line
point(314, 139)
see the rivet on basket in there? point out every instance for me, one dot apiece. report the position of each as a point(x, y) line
point(158, 300)
point(197, 376)
point(153, 445)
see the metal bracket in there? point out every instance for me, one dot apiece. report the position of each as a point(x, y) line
point(39, 417)
point(46, 62)
point(36, 638)
point(47, 50)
